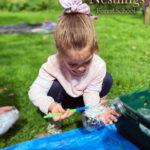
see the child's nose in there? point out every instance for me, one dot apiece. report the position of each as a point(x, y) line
point(81, 69)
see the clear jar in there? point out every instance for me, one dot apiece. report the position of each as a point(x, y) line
point(90, 119)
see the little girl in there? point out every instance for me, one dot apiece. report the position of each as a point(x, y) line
point(75, 76)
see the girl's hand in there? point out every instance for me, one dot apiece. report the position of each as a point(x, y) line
point(57, 108)
point(109, 116)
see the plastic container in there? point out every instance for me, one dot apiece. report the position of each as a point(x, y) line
point(134, 124)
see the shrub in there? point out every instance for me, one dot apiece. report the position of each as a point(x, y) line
point(31, 5)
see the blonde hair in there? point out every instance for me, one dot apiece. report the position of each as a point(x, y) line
point(75, 31)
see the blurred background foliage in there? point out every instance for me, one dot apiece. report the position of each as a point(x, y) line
point(29, 5)
point(39, 5)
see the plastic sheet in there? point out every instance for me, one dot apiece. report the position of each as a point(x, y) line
point(105, 138)
point(44, 27)
point(7, 120)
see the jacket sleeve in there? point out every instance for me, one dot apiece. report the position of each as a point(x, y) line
point(39, 89)
point(91, 95)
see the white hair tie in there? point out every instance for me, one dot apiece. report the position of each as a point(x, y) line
point(75, 6)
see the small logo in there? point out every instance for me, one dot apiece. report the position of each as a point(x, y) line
point(116, 6)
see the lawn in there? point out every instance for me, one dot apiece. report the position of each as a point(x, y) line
point(124, 43)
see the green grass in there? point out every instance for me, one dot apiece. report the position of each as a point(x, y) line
point(124, 44)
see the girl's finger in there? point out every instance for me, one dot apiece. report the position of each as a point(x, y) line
point(61, 109)
point(115, 113)
point(109, 121)
point(105, 121)
point(70, 112)
point(65, 115)
point(56, 118)
point(113, 118)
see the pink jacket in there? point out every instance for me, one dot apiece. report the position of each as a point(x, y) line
point(89, 85)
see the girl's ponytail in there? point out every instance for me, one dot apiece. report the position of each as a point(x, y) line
point(74, 30)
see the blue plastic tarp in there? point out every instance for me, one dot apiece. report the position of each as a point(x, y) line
point(105, 138)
